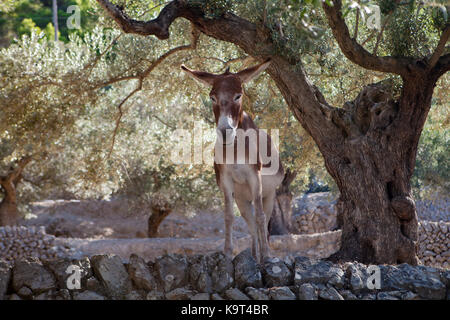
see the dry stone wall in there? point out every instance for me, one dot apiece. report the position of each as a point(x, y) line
point(217, 277)
point(315, 213)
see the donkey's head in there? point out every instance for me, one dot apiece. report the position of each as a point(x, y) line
point(226, 96)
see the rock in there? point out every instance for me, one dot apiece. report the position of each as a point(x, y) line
point(25, 292)
point(43, 296)
point(322, 272)
point(87, 295)
point(330, 293)
point(281, 293)
point(358, 276)
point(5, 276)
point(221, 269)
point(32, 274)
point(386, 296)
point(235, 294)
point(410, 296)
point(276, 273)
point(93, 284)
point(246, 271)
point(256, 294)
point(171, 270)
point(155, 295)
point(62, 294)
point(112, 274)
point(368, 296)
point(133, 295)
point(424, 281)
point(200, 296)
point(140, 273)
point(199, 276)
point(60, 267)
point(348, 295)
point(14, 297)
point(307, 292)
point(216, 296)
point(179, 294)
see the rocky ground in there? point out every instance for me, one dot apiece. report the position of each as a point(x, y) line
point(217, 277)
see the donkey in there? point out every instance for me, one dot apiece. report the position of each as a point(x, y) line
point(246, 161)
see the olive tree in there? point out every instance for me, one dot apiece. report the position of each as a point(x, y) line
point(369, 145)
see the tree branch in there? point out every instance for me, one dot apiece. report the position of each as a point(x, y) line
point(442, 66)
point(140, 77)
point(15, 173)
point(158, 26)
point(440, 47)
point(354, 51)
point(307, 104)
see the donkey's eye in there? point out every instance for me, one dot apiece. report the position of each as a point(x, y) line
point(213, 99)
point(237, 97)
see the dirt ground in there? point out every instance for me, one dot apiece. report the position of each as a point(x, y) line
point(112, 219)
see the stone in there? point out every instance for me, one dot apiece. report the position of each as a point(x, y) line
point(62, 294)
point(155, 295)
point(171, 270)
point(425, 281)
point(386, 296)
point(235, 294)
point(357, 274)
point(133, 295)
point(323, 272)
point(140, 273)
point(201, 296)
point(246, 271)
point(307, 292)
point(408, 295)
point(330, 293)
point(179, 294)
point(5, 277)
point(368, 296)
point(87, 295)
point(256, 294)
point(276, 273)
point(221, 269)
point(93, 284)
point(281, 293)
point(199, 276)
point(32, 274)
point(60, 267)
point(112, 274)
point(25, 292)
point(348, 295)
point(43, 296)
point(216, 296)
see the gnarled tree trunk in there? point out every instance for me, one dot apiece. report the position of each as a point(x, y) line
point(373, 171)
point(9, 214)
point(160, 210)
point(280, 222)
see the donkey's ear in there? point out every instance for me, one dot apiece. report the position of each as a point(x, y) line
point(203, 77)
point(251, 73)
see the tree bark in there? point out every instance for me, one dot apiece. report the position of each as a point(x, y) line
point(280, 222)
point(9, 214)
point(160, 210)
point(369, 146)
point(373, 171)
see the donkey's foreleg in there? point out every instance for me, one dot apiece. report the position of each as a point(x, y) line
point(229, 218)
point(260, 217)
